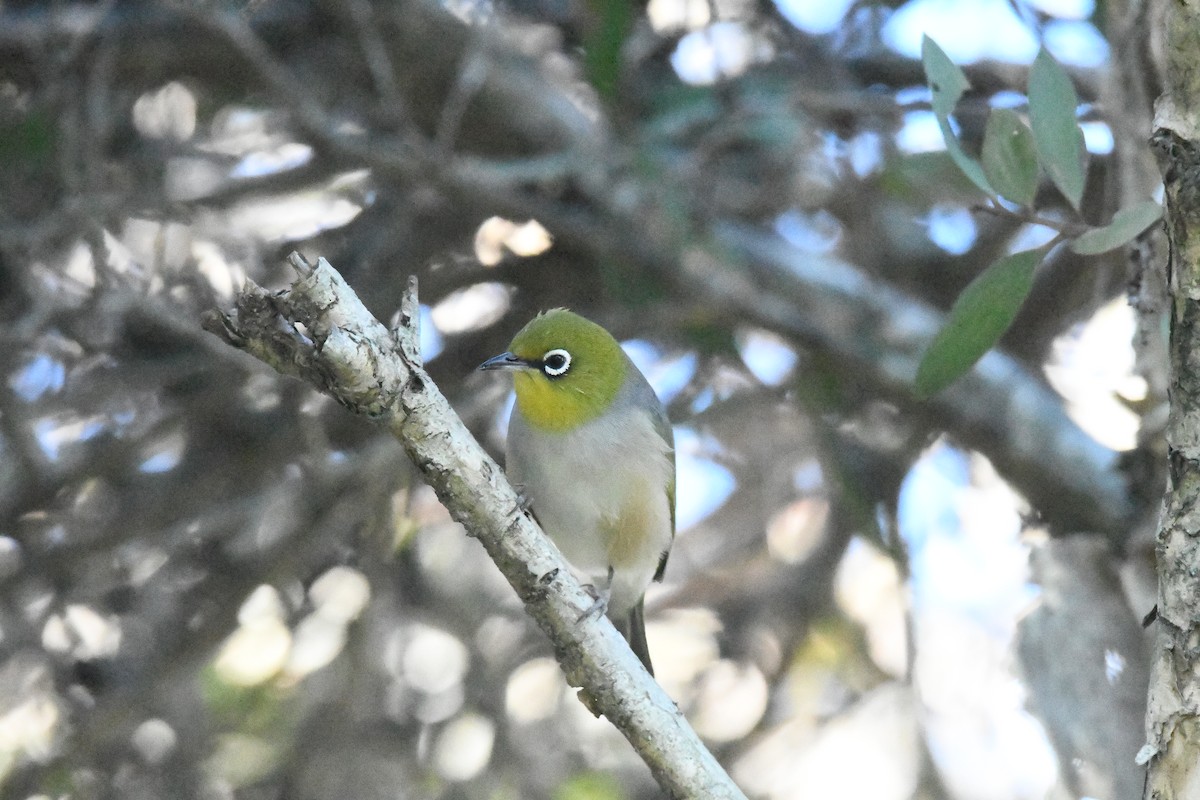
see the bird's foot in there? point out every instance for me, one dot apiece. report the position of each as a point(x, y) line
point(523, 500)
point(599, 606)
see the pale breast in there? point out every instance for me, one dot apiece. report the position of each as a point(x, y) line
point(616, 511)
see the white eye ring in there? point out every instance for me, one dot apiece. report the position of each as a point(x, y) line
point(557, 355)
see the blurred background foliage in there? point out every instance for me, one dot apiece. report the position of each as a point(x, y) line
point(218, 584)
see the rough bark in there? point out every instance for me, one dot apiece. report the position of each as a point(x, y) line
point(1173, 715)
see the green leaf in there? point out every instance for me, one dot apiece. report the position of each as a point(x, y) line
point(946, 81)
point(946, 85)
point(979, 317)
point(1009, 157)
point(1126, 224)
point(613, 20)
point(1052, 103)
point(968, 165)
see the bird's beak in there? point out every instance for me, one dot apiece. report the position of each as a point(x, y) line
point(505, 361)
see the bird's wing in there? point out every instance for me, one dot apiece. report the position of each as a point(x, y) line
point(663, 426)
point(640, 394)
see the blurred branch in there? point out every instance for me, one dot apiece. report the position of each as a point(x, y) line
point(1084, 658)
point(174, 622)
point(319, 331)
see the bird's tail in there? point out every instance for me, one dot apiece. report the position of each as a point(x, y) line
point(636, 635)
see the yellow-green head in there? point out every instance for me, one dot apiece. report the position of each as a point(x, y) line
point(566, 370)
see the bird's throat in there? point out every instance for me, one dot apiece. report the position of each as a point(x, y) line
point(555, 405)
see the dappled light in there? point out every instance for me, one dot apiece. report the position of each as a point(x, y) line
point(498, 236)
point(1092, 366)
point(472, 308)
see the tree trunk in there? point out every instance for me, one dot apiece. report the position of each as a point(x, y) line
point(1172, 751)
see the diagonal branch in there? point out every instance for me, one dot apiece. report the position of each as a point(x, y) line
point(319, 331)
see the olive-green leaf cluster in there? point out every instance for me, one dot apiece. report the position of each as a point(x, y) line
point(1013, 155)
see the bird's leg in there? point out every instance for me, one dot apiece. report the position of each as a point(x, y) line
point(600, 598)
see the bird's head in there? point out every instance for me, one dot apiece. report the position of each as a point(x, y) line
point(566, 370)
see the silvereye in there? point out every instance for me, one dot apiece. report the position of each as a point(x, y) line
point(591, 449)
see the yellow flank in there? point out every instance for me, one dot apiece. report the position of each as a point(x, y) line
point(626, 535)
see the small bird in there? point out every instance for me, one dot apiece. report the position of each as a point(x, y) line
point(591, 449)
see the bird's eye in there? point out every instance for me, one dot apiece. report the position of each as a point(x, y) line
point(556, 363)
